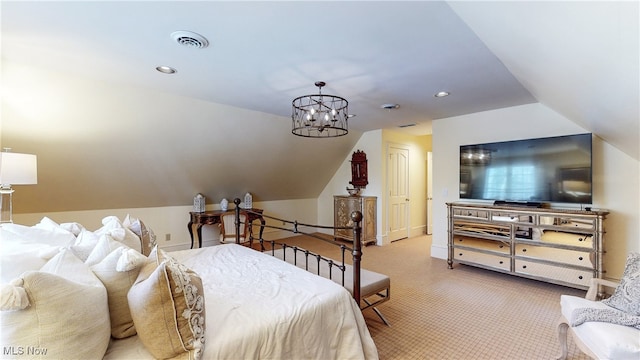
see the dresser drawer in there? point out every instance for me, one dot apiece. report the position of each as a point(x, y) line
point(494, 261)
point(572, 276)
point(482, 244)
point(471, 213)
point(566, 238)
point(579, 258)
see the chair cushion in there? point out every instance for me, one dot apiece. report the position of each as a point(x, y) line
point(626, 297)
point(606, 340)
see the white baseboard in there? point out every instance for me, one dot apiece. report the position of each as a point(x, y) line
point(440, 252)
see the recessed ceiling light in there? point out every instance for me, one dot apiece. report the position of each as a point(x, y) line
point(166, 69)
point(390, 106)
point(441, 94)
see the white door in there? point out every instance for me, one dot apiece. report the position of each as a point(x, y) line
point(429, 193)
point(398, 190)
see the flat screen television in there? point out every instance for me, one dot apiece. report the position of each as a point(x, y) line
point(534, 171)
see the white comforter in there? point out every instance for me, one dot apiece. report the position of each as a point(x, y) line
point(258, 307)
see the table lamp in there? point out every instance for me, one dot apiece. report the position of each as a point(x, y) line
point(15, 169)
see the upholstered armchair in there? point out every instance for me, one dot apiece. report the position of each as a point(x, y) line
point(606, 329)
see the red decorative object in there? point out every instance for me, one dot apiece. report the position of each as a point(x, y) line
point(359, 169)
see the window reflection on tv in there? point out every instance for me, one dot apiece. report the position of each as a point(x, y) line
point(554, 169)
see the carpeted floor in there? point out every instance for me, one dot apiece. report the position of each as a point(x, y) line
point(464, 313)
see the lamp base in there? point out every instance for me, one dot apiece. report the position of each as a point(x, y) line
point(6, 207)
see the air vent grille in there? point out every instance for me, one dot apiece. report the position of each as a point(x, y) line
point(190, 39)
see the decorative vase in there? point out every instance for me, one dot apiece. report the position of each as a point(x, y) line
point(224, 205)
point(198, 203)
point(248, 201)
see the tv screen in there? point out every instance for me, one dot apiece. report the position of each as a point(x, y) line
point(554, 169)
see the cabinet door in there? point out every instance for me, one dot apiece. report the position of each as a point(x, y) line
point(343, 207)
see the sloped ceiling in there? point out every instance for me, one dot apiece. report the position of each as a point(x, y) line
point(81, 92)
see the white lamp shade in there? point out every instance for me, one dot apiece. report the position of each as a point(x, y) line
point(18, 169)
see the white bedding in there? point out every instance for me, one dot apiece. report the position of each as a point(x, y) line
point(258, 307)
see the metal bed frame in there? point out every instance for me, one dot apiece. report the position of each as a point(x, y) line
point(369, 300)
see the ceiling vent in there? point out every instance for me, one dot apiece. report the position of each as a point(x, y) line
point(190, 39)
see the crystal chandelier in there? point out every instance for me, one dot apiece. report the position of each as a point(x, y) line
point(320, 116)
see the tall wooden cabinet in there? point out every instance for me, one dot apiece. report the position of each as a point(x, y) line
point(344, 205)
point(554, 245)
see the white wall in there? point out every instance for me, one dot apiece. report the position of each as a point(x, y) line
point(374, 144)
point(173, 220)
point(616, 176)
point(371, 144)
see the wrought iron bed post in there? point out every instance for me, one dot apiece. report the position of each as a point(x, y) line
point(356, 217)
point(237, 221)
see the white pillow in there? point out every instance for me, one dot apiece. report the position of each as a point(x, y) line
point(32, 234)
point(118, 272)
point(67, 316)
point(84, 244)
point(72, 227)
point(113, 226)
point(105, 245)
point(19, 254)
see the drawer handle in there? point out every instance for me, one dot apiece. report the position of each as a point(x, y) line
point(580, 239)
point(501, 262)
point(460, 254)
point(500, 246)
point(580, 277)
point(524, 250)
point(580, 258)
point(524, 266)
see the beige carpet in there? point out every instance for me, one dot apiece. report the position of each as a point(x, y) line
point(464, 313)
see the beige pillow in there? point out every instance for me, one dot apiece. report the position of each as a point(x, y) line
point(146, 235)
point(167, 307)
point(66, 315)
point(118, 280)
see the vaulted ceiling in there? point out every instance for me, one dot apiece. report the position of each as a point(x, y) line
point(80, 87)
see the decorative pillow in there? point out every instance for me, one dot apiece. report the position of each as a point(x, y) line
point(146, 235)
point(19, 254)
point(31, 234)
point(106, 244)
point(111, 225)
point(72, 227)
point(66, 314)
point(167, 306)
point(84, 244)
point(118, 272)
point(626, 297)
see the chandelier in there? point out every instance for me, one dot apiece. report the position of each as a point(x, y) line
point(320, 116)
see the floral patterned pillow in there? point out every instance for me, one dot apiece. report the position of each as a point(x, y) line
point(167, 307)
point(626, 297)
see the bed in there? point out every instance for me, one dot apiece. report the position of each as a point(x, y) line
point(368, 288)
point(220, 302)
